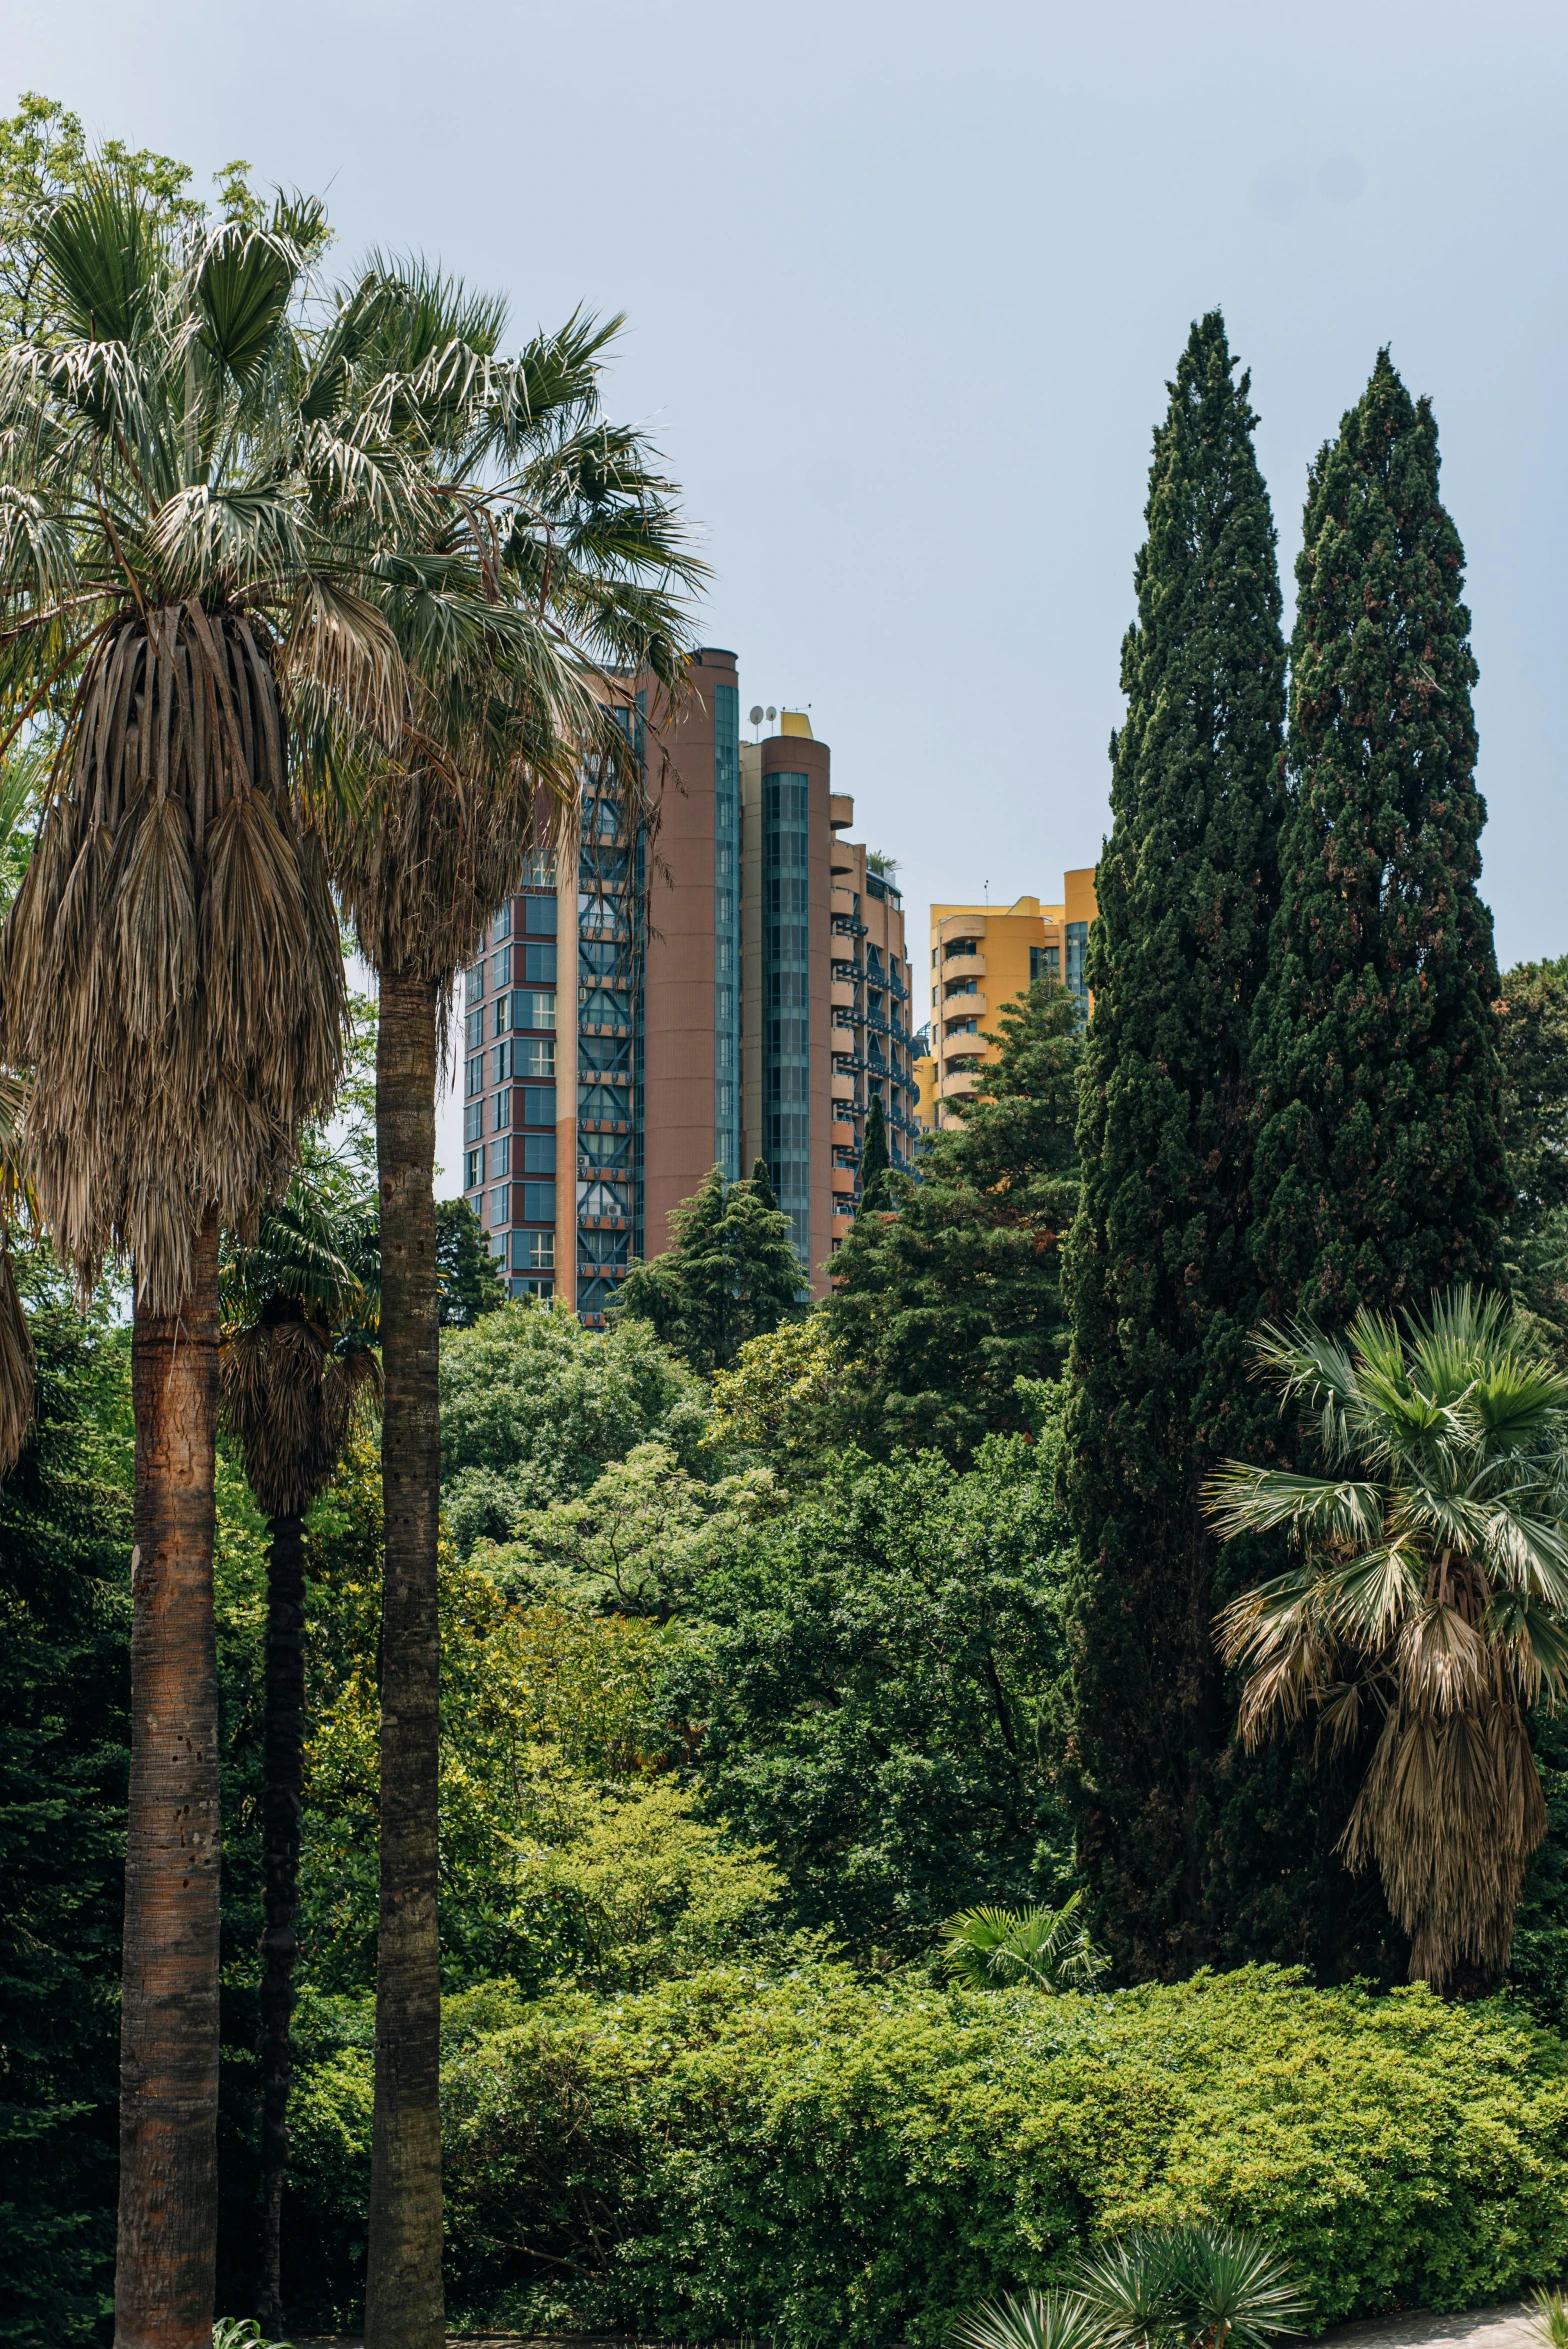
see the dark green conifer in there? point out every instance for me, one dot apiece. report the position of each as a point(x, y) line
point(730, 1272)
point(945, 1305)
point(874, 1159)
point(1162, 1287)
point(1380, 1173)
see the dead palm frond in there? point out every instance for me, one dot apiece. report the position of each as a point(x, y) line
point(1431, 1597)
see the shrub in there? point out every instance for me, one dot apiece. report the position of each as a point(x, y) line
point(810, 2154)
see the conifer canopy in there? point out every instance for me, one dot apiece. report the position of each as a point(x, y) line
point(1161, 1283)
point(1380, 1174)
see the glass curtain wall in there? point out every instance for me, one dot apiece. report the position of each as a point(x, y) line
point(726, 930)
point(610, 891)
point(786, 1005)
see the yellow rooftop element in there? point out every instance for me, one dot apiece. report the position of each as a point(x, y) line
point(795, 722)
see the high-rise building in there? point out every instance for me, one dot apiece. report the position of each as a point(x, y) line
point(982, 956)
point(726, 984)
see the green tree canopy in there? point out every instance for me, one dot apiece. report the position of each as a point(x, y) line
point(471, 1284)
point(878, 1692)
point(945, 1304)
point(874, 1159)
point(730, 1273)
point(534, 1407)
point(1379, 1163)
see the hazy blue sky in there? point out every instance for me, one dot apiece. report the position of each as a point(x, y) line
point(904, 284)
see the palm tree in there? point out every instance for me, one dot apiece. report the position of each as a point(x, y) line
point(1191, 2287)
point(171, 977)
point(1431, 1598)
point(294, 1370)
point(18, 782)
point(998, 1949)
point(554, 567)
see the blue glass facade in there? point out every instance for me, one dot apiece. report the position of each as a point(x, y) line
point(726, 930)
point(611, 873)
point(786, 1004)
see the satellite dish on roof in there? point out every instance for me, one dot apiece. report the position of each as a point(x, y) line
point(772, 713)
point(755, 718)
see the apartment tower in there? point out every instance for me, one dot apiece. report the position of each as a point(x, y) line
point(982, 957)
point(682, 1007)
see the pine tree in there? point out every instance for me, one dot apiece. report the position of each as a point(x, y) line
point(874, 1159)
point(943, 1306)
point(1163, 1291)
point(729, 1274)
point(1380, 1173)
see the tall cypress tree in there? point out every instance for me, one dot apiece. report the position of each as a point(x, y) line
point(1163, 1291)
point(1379, 1171)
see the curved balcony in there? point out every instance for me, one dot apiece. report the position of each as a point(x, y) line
point(962, 966)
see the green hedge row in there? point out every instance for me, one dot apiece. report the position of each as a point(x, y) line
point(805, 2155)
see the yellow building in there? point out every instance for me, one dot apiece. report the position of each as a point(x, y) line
point(982, 956)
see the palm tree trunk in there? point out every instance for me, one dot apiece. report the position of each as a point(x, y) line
point(164, 2272)
point(283, 1775)
point(403, 2299)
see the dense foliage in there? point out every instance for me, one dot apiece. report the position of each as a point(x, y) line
point(730, 1272)
point(879, 1688)
point(1162, 1285)
point(816, 2154)
point(944, 1305)
point(1379, 1166)
point(64, 1731)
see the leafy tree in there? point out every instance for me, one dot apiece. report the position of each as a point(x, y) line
point(874, 1160)
point(1379, 1167)
point(65, 1540)
point(184, 1020)
point(943, 1306)
point(878, 1690)
point(641, 1529)
point(1163, 1290)
point(783, 1399)
point(534, 1407)
point(1432, 1594)
point(469, 1283)
point(729, 1274)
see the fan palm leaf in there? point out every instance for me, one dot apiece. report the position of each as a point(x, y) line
point(996, 1949)
point(1432, 1588)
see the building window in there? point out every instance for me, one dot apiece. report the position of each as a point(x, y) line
point(474, 980)
point(533, 1008)
point(502, 927)
point(539, 965)
point(503, 1014)
point(957, 946)
point(539, 1154)
point(476, 1075)
point(473, 1168)
point(538, 1202)
point(539, 916)
point(533, 1056)
point(786, 1030)
point(1077, 948)
point(498, 1214)
point(503, 1112)
point(473, 1121)
point(474, 1029)
point(726, 934)
point(539, 1105)
point(961, 987)
point(533, 1251)
point(500, 1159)
point(1045, 962)
point(501, 968)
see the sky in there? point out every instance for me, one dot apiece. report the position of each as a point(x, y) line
point(904, 284)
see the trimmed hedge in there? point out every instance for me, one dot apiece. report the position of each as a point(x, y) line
point(811, 2154)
